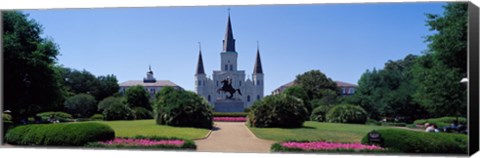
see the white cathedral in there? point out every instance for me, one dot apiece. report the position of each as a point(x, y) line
point(246, 91)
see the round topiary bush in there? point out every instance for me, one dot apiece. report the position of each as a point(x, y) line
point(182, 108)
point(115, 109)
point(319, 113)
point(346, 113)
point(97, 117)
point(278, 111)
point(65, 134)
point(142, 113)
point(6, 117)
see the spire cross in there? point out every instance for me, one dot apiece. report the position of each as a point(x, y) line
point(228, 11)
point(258, 45)
point(150, 67)
point(199, 46)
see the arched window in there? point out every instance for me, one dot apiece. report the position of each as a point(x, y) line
point(208, 98)
point(217, 83)
point(239, 83)
point(226, 67)
point(258, 97)
point(231, 67)
point(248, 98)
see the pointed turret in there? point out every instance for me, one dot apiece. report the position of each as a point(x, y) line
point(229, 42)
point(200, 69)
point(257, 68)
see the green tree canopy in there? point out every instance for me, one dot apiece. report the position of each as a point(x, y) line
point(316, 84)
point(31, 78)
point(81, 105)
point(137, 96)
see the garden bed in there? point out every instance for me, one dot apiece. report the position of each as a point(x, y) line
point(141, 142)
point(323, 146)
point(230, 119)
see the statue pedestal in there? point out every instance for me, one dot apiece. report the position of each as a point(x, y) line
point(227, 105)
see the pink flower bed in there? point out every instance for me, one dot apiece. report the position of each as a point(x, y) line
point(230, 119)
point(329, 146)
point(142, 142)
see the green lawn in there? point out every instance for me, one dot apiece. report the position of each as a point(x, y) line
point(149, 128)
point(317, 131)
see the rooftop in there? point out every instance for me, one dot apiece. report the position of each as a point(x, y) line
point(158, 83)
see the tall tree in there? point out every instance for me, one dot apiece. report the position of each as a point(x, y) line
point(313, 82)
point(32, 82)
point(439, 71)
point(137, 96)
point(450, 43)
point(106, 86)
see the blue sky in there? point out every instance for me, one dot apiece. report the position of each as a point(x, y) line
point(341, 40)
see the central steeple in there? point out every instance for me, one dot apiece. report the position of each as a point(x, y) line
point(229, 41)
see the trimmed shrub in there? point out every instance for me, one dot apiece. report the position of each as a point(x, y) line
point(422, 142)
point(346, 113)
point(373, 122)
point(115, 109)
point(60, 116)
point(182, 108)
point(230, 114)
point(442, 121)
point(7, 125)
point(97, 117)
point(187, 145)
point(137, 96)
point(394, 124)
point(81, 105)
point(6, 117)
point(343, 147)
point(278, 111)
point(65, 134)
point(319, 113)
point(142, 113)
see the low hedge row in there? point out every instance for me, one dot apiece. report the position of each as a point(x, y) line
point(393, 124)
point(61, 116)
point(188, 145)
point(277, 147)
point(64, 134)
point(422, 142)
point(230, 114)
point(442, 121)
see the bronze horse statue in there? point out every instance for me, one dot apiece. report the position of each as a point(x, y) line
point(227, 87)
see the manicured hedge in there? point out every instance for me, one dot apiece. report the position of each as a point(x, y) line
point(422, 142)
point(182, 109)
point(442, 121)
point(61, 116)
point(97, 117)
point(64, 134)
point(346, 113)
point(6, 117)
point(230, 114)
point(277, 147)
point(188, 144)
point(6, 126)
point(278, 111)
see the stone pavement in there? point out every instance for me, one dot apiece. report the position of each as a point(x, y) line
point(233, 137)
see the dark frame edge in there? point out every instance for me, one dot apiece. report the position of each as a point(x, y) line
point(473, 77)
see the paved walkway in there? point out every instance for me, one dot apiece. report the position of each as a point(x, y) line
point(233, 137)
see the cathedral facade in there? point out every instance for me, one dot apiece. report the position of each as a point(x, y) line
point(217, 90)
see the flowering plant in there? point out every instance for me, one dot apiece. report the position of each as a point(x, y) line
point(230, 119)
point(317, 146)
point(142, 142)
point(145, 143)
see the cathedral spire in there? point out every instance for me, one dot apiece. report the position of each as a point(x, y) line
point(229, 42)
point(200, 69)
point(257, 68)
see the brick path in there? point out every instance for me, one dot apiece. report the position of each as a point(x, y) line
point(233, 137)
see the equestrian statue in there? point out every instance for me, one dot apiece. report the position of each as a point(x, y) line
point(227, 87)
